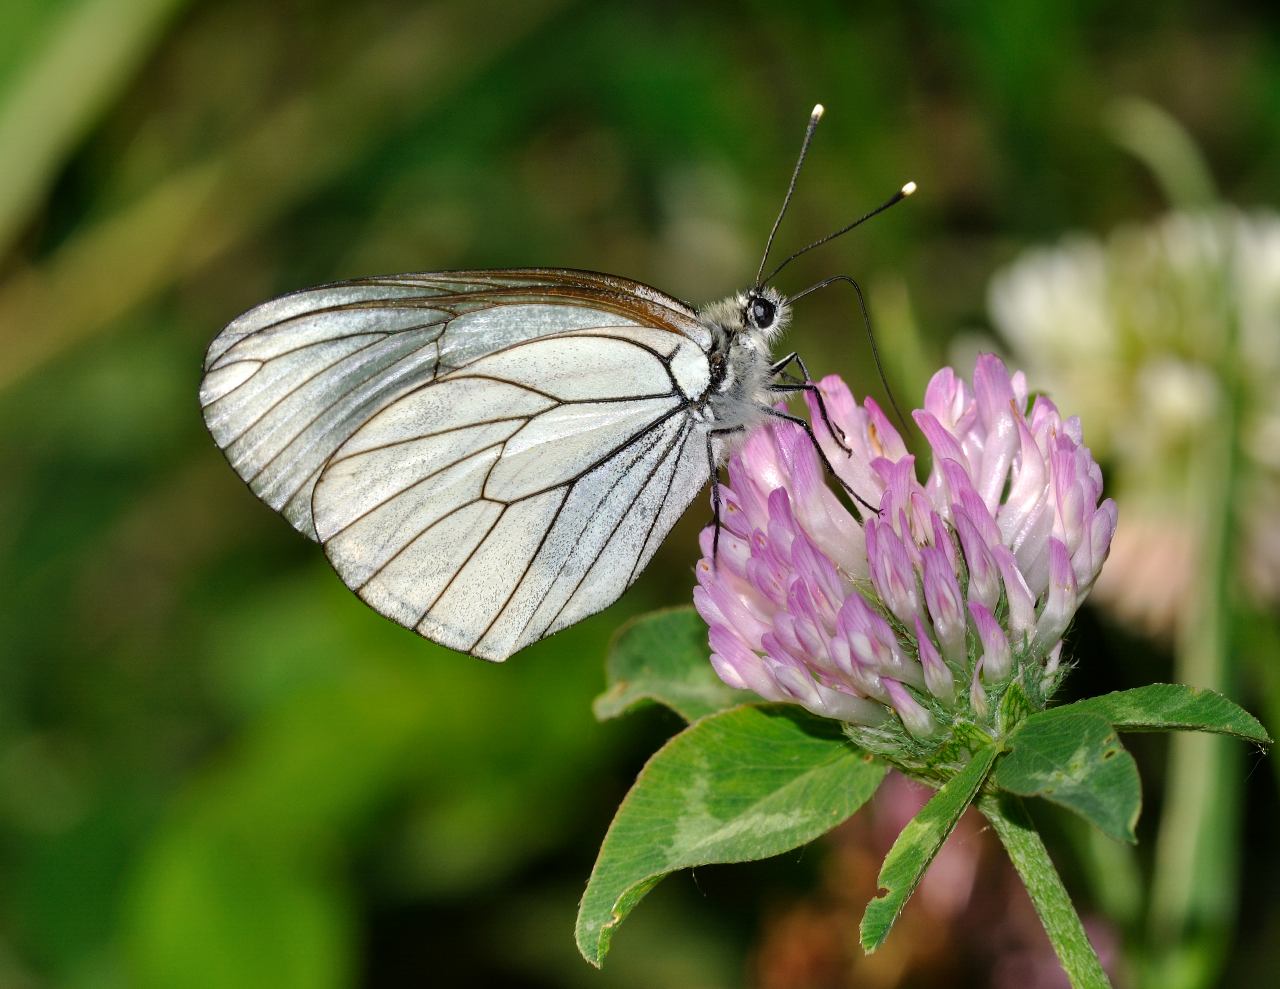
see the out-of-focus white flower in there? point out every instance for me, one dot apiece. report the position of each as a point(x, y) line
point(1144, 336)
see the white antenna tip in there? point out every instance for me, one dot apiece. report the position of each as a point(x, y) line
point(818, 111)
point(909, 188)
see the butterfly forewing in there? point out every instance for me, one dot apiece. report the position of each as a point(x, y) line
point(487, 456)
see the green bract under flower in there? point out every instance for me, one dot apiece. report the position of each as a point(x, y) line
point(911, 624)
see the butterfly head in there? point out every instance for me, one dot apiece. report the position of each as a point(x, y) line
point(743, 328)
point(765, 311)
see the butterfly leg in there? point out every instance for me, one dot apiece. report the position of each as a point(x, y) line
point(808, 385)
point(714, 468)
point(808, 429)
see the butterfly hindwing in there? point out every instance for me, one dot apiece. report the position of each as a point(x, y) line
point(516, 495)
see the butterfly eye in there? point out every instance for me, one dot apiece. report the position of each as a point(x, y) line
point(762, 313)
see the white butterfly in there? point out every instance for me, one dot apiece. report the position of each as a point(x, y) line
point(490, 456)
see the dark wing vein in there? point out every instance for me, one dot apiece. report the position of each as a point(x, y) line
point(416, 437)
point(297, 385)
point(555, 519)
point(382, 503)
point(463, 565)
point(424, 530)
point(686, 432)
point(617, 526)
point(264, 361)
point(385, 378)
point(573, 478)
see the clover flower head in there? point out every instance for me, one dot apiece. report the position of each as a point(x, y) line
point(917, 616)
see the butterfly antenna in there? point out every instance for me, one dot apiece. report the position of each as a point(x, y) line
point(814, 117)
point(893, 200)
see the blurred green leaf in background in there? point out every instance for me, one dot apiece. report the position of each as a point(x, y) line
point(217, 768)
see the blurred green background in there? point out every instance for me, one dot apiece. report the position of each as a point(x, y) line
point(217, 768)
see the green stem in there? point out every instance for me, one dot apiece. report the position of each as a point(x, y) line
point(1061, 922)
point(1195, 877)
